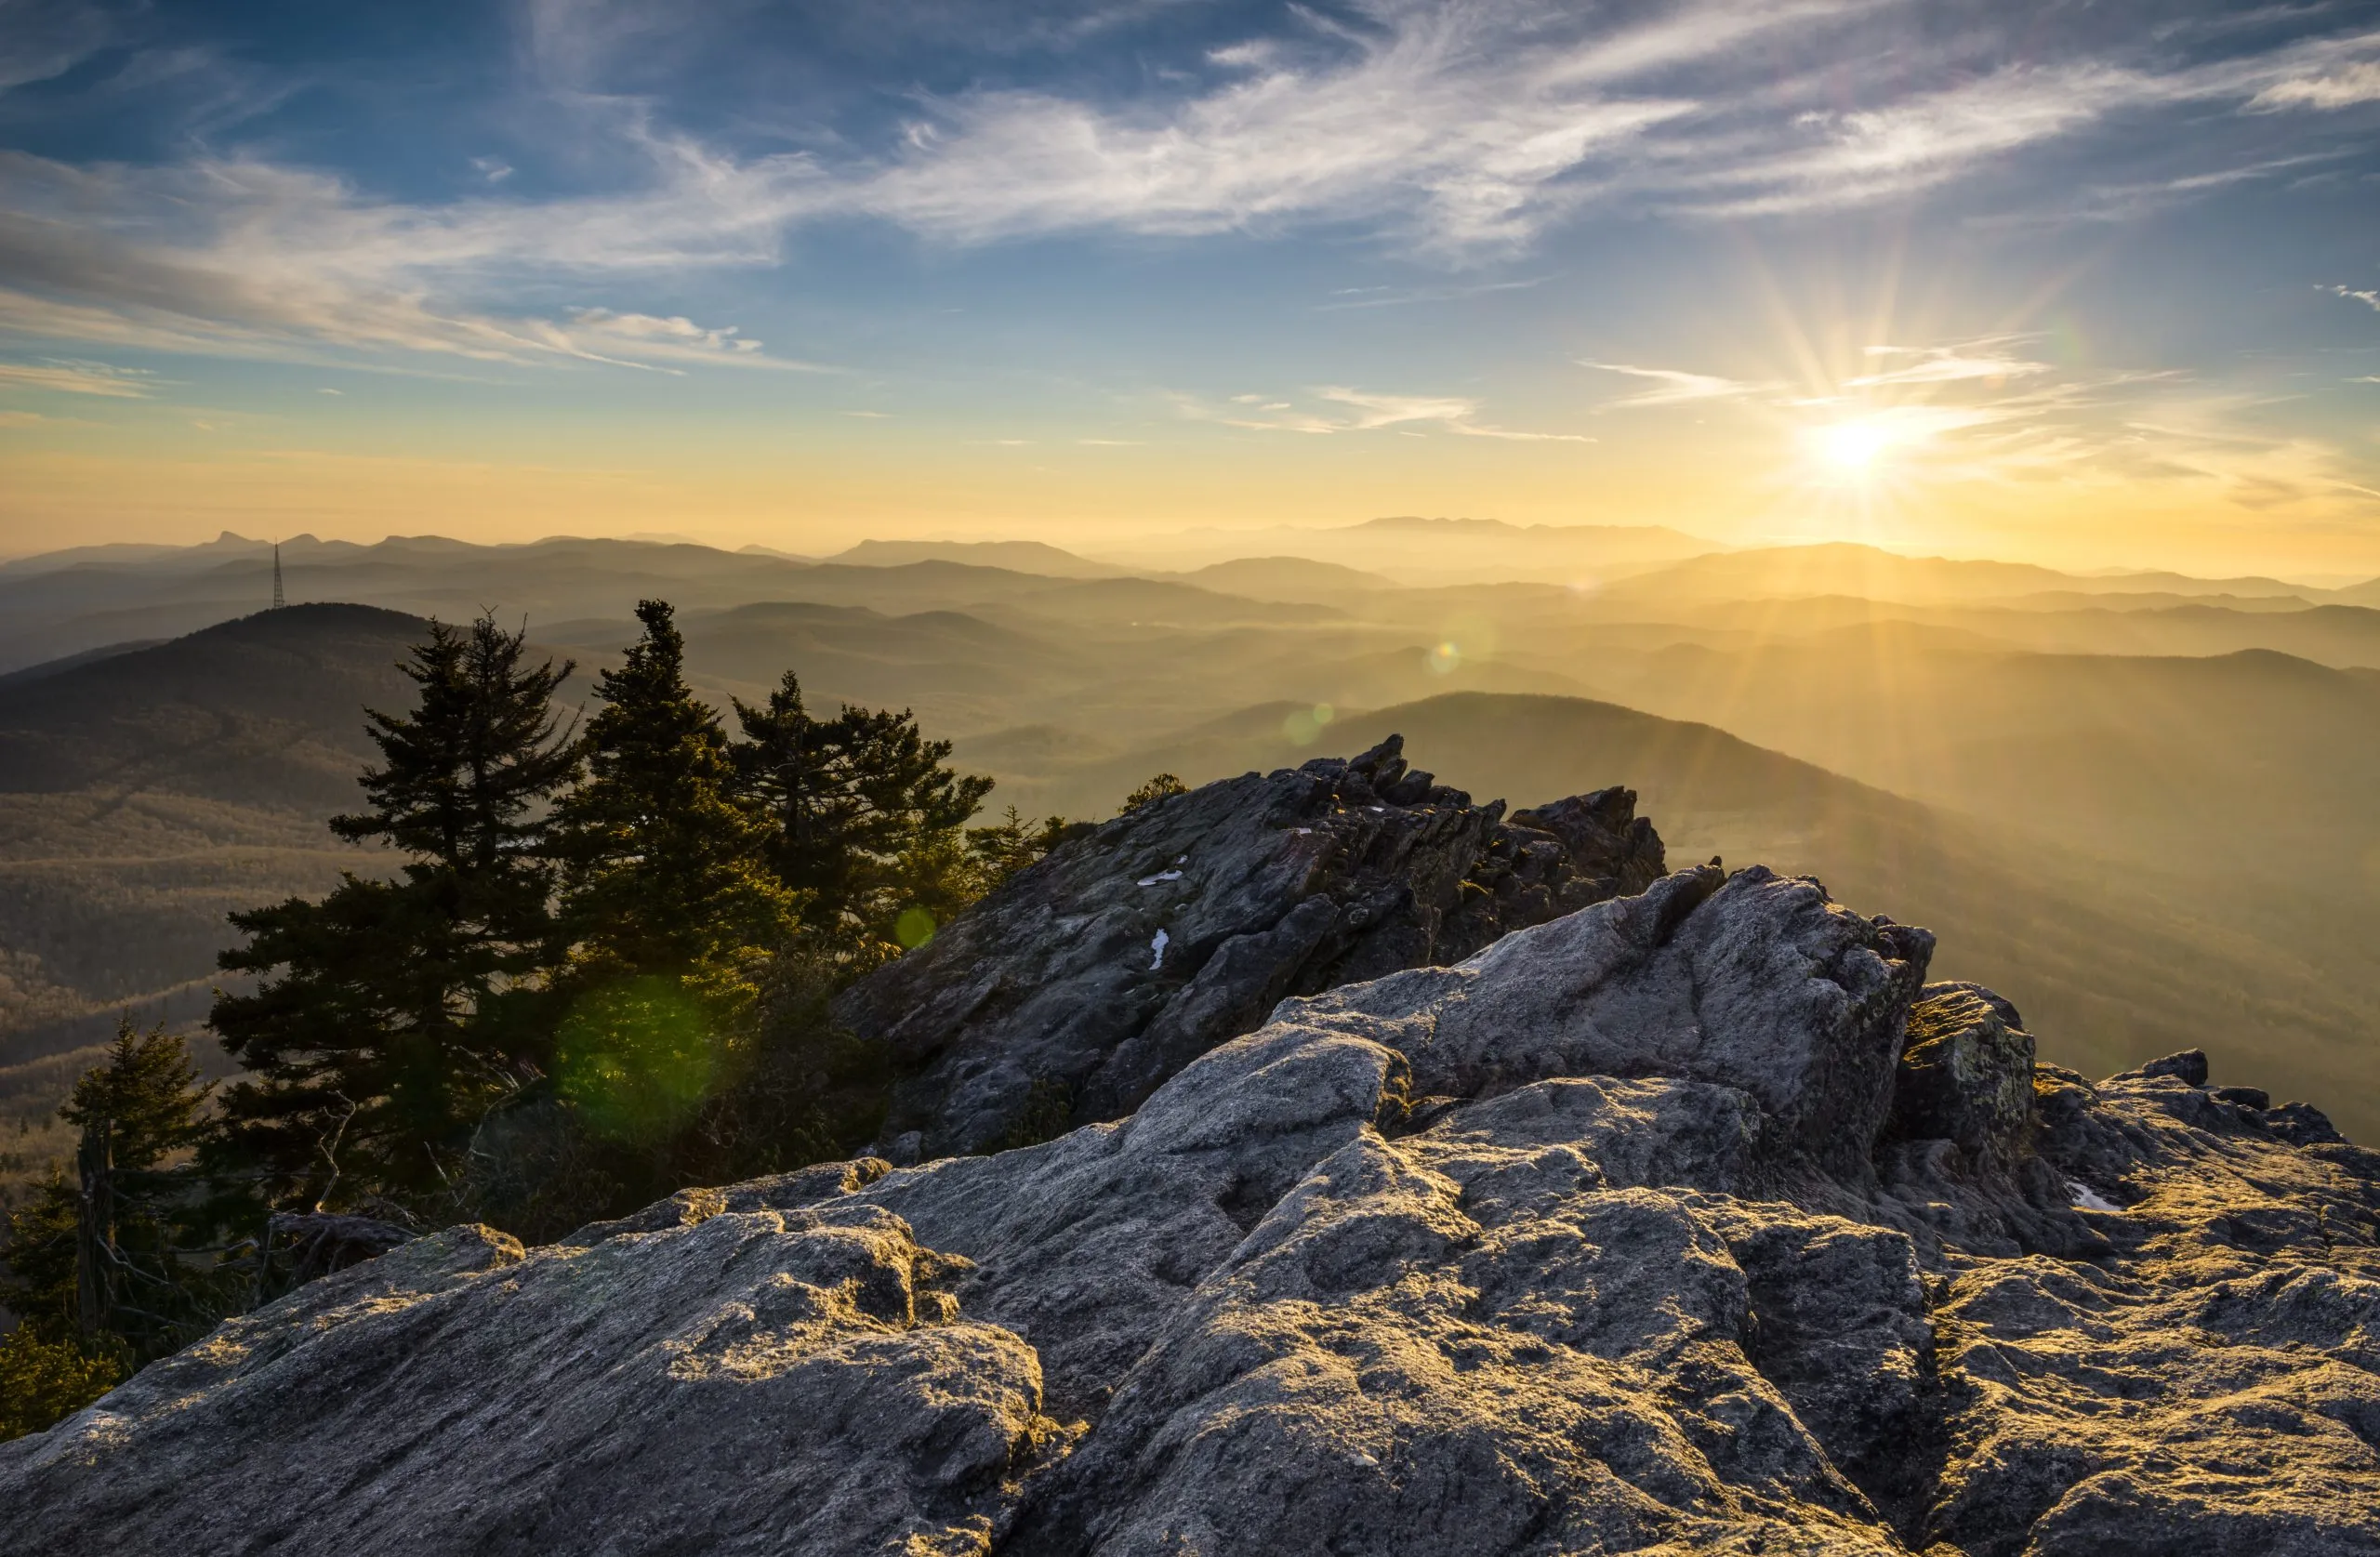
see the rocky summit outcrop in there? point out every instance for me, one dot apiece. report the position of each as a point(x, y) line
point(1070, 994)
point(1694, 1220)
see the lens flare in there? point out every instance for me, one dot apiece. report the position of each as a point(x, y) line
point(1305, 727)
point(637, 1057)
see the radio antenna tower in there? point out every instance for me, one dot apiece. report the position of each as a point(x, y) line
point(277, 601)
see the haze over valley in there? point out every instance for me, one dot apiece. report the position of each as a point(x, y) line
point(2137, 805)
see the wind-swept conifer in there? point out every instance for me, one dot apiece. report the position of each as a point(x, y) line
point(868, 819)
point(394, 1013)
point(147, 1099)
point(662, 854)
point(668, 906)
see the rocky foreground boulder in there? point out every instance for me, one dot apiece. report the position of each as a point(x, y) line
point(1693, 1221)
point(1070, 995)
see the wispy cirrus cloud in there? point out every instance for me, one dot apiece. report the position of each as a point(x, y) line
point(78, 379)
point(1453, 130)
point(288, 264)
point(1343, 409)
point(2354, 81)
point(1673, 386)
point(1346, 297)
point(1945, 364)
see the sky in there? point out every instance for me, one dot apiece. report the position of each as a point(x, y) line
point(2094, 284)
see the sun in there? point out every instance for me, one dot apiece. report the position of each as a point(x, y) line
point(1853, 448)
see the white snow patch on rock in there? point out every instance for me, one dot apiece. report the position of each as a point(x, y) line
point(2089, 1199)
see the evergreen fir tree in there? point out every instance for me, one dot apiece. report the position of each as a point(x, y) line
point(661, 852)
point(669, 905)
point(148, 1091)
point(868, 818)
point(1013, 843)
point(148, 1096)
point(392, 1015)
point(1161, 786)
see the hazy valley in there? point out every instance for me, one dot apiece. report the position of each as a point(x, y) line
point(2138, 806)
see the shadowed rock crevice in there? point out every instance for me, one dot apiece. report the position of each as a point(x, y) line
point(1693, 1219)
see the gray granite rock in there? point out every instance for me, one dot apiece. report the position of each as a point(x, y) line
point(745, 1382)
point(1967, 1077)
point(1073, 992)
point(1690, 1222)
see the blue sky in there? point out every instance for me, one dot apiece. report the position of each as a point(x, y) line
point(2095, 282)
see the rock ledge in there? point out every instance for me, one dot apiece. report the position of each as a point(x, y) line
point(1693, 1219)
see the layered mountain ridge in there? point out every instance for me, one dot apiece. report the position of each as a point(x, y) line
point(1692, 1218)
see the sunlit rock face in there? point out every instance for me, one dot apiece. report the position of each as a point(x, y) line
point(1073, 992)
point(1692, 1221)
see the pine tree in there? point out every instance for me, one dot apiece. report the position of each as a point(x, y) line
point(392, 1014)
point(147, 1096)
point(669, 905)
point(1162, 787)
point(868, 818)
point(1013, 843)
point(43, 1381)
point(661, 852)
point(149, 1093)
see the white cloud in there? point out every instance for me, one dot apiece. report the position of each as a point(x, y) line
point(1944, 365)
point(1826, 159)
point(1674, 387)
point(77, 378)
point(1378, 411)
point(270, 263)
point(2356, 83)
point(644, 340)
point(1834, 158)
point(2368, 299)
point(1364, 411)
point(1459, 128)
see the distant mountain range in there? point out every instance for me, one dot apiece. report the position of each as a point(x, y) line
point(1395, 570)
point(2140, 806)
point(1419, 551)
point(1867, 571)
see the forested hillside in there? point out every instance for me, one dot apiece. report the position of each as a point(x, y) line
point(2100, 786)
point(2110, 962)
